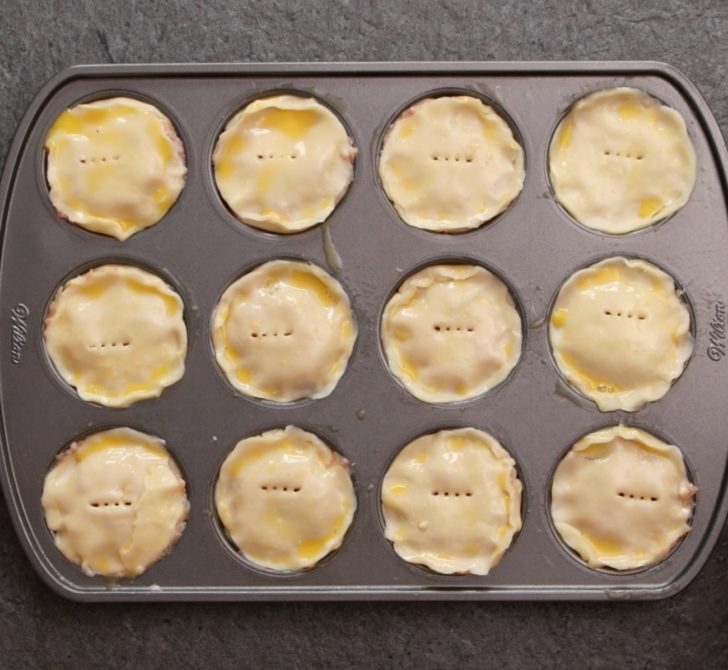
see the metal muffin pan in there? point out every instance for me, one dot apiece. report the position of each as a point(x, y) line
point(200, 248)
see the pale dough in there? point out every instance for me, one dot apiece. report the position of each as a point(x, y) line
point(621, 498)
point(284, 331)
point(620, 333)
point(451, 332)
point(450, 164)
point(285, 499)
point(115, 502)
point(621, 160)
point(452, 501)
point(117, 334)
point(283, 163)
point(115, 166)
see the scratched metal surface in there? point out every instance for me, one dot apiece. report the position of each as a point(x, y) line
point(200, 248)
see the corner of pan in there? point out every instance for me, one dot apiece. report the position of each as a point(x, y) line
point(23, 531)
point(694, 98)
point(25, 127)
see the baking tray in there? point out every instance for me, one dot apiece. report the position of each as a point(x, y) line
point(200, 248)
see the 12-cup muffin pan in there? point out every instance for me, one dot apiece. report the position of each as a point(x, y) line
point(200, 248)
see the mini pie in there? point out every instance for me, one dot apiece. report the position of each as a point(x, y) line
point(450, 164)
point(283, 163)
point(284, 331)
point(285, 499)
point(451, 332)
point(621, 160)
point(621, 498)
point(117, 334)
point(452, 501)
point(115, 502)
point(620, 333)
point(115, 166)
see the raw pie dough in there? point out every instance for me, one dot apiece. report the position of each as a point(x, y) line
point(284, 331)
point(451, 332)
point(115, 502)
point(621, 160)
point(620, 333)
point(115, 166)
point(285, 499)
point(283, 163)
point(117, 334)
point(621, 498)
point(450, 164)
point(452, 501)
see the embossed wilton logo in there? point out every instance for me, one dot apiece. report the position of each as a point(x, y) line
point(716, 332)
point(19, 326)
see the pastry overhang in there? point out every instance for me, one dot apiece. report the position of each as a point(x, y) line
point(285, 498)
point(621, 498)
point(117, 334)
point(621, 160)
point(115, 502)
point(450, 164)
point(283, 163)
point(451, 332)
point(620, 333)
point(114, 166)
point(284, 331)
point(452, 501)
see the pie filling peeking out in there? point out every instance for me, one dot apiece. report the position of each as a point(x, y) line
point(117, 334)
point(114, 166)
point(621, 498)
point(621, 160)
point(451, 332)
point(283, 163)
point(285, 499)
point(284, 331)
point(620, 333)
point(115, 502)
point(450, 164)
point(452, 501)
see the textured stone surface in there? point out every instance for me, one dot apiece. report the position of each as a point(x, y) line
point(38, 38)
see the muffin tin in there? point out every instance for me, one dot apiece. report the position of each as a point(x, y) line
point(200, 248)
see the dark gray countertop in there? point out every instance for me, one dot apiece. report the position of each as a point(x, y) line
point(38, 38)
